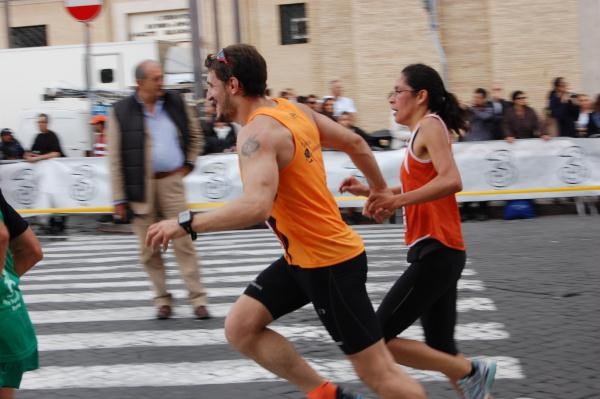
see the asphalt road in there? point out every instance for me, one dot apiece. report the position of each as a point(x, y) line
point(529, 298)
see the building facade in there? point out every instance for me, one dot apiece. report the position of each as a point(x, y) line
point(364, 43)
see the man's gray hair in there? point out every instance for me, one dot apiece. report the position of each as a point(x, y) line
point(140, 69)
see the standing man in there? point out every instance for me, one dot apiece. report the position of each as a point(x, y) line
point(100, 143)
point(46, 144)
point(564, 108)
point(154, 140)
point(481, 121)
point(324, 261)
point(500, 107)
point(342, 104)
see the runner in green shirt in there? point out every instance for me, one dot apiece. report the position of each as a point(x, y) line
point(18, 344)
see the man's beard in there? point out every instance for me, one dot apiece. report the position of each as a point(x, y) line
point(227, 111)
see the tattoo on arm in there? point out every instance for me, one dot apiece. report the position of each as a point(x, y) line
point(250, 146)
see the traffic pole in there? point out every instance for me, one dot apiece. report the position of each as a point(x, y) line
point(88, 83)
point(196, 43)
point(7, 20)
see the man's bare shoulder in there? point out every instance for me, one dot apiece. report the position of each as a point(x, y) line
point(263, 123)
point(263, 132)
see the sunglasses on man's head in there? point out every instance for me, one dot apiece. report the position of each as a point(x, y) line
point(220, 56)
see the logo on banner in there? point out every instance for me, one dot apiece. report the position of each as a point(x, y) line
point(82, 187)
point(26, 187)
point(501, 170)
point(217, 185)
point(574, 169)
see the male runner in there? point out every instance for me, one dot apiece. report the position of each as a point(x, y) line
point(324, 260)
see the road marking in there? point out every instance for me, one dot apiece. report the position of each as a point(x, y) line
point(171, 270)
point(147, 312)
point(470, 285)
point(208, 373)
point(134, 246)
point(201, 337)
point(463, 304)
point(41, 267)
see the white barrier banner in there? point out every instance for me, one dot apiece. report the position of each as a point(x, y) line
point(492, 170)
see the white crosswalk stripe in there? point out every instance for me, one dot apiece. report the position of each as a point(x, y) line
point(90, 281)
point(208, 372)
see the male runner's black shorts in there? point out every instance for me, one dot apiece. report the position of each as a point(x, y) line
point(338, 294)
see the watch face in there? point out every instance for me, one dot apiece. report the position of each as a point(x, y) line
point(185, 217)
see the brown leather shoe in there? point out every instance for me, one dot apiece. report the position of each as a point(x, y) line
point(164, 312)
point(201, 313)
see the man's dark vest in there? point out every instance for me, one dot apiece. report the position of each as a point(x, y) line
point(130, 115)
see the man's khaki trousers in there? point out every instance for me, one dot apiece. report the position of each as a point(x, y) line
point(169, 200)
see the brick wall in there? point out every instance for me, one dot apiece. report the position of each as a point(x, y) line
point(521, 44)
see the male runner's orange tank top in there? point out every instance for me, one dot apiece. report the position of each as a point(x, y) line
point(305, 216)
point(438, 219)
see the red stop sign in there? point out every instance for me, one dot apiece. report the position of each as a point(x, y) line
point(83, 10)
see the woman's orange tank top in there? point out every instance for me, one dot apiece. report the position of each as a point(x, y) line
point(438, 219)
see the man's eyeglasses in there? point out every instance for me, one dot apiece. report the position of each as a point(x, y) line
point(311, 102)
point(521, 98)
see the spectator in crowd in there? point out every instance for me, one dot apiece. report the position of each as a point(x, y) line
point(586, 107)
point(549, 126)
point(342, 104)
point(226, 138)
point(218, 136)
point(500, 106)
point(345, 119)
point(313, 102)
point(481, 120)
point(100, 147)
point(46, 144)
point(521, 121)
point(100, 150)
point(154, 141)
point(288, 94)
point(563, 108)
point(481, 128)
point(327, 107)
point(593, 128)
point(10, 148)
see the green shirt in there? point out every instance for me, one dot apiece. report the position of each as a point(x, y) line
point(17, 336)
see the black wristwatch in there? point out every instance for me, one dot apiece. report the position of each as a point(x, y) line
point(185, 221)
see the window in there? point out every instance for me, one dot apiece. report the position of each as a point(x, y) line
point(294, 23)
point(29, 36)
point(107, 75)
